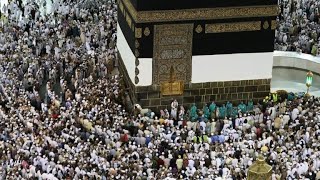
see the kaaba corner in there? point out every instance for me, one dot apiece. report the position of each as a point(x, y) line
point(196, 51)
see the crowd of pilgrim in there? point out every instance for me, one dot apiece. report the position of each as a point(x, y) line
point(298, 26)
point(62, 112)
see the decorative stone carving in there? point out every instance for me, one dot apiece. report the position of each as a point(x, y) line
point(137, 44)
point(172, 48)
point(273, 24)
point(136, 80)
point(172, 54)
point(265, 25)
point(137, 62)
point(146, 31)
point(136, 53)
point(171, 39)
point(233, 27)
point(199, 29)
point(200, 14)
point(137, 71)
point(138, 32)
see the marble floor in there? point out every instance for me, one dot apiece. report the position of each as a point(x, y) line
point(293, 80)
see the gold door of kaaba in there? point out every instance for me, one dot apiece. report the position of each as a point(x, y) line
point(172, 48)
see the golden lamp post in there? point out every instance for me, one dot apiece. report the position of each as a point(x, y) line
point(260, 170)
point(309, 79)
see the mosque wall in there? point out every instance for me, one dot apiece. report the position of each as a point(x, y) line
point(212, 67)
point(200, 93)
point(246, 35)
point(220, 91)
point(219, 27)
point(144, 65)
point(231, 67)
point(226, 39)
point(145, 71)
point(126, 53)
point(147, 5)
point(127, 27)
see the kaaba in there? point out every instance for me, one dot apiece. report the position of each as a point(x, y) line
point(196, 51)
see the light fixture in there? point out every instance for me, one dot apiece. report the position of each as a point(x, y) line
point(309, 79)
